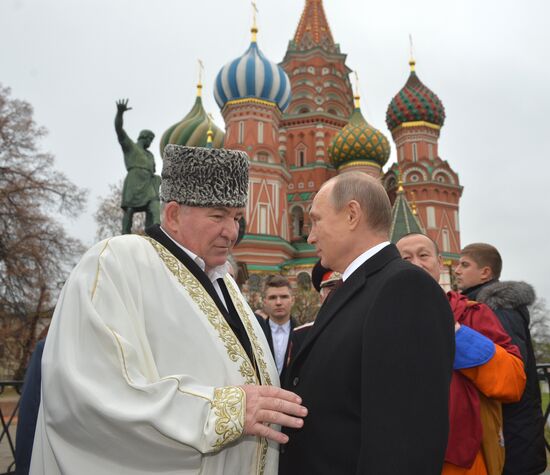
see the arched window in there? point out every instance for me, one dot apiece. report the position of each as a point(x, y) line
point(262, 219)
point(446, 241)
point(430, 211)
point(241, 132)
point(297, 221)
point(260, 132)
point(415, 153)
point(301, 157)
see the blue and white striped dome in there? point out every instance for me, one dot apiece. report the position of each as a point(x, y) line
point(252, 75)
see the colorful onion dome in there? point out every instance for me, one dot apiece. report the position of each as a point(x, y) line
point(252, 75)
point(193, 129)
point(415, 102)
point(359, 141)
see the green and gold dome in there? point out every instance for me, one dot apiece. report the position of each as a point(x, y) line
point(359, 143)
point(193, 129)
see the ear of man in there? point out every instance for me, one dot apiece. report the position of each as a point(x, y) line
point(486, 273)
point(354, 214)
point(171, 216)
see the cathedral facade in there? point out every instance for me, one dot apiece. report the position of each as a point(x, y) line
point(301, 124)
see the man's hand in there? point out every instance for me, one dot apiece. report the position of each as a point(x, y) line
point(457, 326)
point(122, 105)
point(272, 405)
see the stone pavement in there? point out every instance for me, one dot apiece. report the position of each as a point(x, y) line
point(7, 403)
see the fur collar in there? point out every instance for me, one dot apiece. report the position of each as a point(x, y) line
point(506, 294)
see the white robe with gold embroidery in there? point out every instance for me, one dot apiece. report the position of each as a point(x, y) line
point(140, 372)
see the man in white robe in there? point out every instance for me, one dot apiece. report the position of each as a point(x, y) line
point(154, 363)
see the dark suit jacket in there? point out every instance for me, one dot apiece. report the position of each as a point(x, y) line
point(264, 323)
point(374, 372)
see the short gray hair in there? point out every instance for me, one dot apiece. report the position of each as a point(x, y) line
point(368, 192)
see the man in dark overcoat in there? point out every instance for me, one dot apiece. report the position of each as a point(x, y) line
point(375, 368)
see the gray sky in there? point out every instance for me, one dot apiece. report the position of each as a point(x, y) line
point(488, 61)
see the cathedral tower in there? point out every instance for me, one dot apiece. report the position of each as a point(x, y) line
point(322, 102)
point(252, 93)
point(415, 117)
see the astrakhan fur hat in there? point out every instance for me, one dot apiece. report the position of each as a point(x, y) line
point(204, 177)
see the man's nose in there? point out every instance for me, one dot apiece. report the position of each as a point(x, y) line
point(415, 261)
point(231, 230)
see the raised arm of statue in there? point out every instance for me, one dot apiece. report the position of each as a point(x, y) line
point(122, 107)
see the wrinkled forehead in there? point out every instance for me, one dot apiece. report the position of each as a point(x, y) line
point(322, 200)
point(416, 243)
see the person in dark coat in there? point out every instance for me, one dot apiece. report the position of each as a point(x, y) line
point(278, 325)
point(477, 276)
point(375, 368)
point(28, 411)
point(325, 281)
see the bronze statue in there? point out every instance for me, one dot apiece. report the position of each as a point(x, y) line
point(141, 186)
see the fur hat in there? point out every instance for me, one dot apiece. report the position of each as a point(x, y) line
point(204, 177)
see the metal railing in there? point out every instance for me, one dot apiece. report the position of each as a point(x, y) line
point(7, 420)
point(543, 370)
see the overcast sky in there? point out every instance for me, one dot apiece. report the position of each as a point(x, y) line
point(488, 61)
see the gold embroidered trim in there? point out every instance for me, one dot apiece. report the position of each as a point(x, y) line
point(229, 409)
point(127, 375)
point(96, 280)
point(259, 354)
point(243, 314)
point(234, 349)
point(122, 356)
point(232, 345)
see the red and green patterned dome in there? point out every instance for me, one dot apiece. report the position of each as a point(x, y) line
point(359, 141)
point(415, 102)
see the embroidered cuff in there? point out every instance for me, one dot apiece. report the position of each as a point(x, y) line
point(472, 348)
point(228, 413)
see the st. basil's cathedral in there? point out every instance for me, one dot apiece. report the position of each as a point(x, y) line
point(301, 124)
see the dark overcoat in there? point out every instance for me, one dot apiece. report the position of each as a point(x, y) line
point(374, 372)
point(264, 323)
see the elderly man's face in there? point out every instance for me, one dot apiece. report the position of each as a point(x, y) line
point(209, 232)
point(328, 231)
point(420, 251)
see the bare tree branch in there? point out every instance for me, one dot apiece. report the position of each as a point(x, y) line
point(36, 254)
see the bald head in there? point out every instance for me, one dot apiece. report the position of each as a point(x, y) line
point(421, 251)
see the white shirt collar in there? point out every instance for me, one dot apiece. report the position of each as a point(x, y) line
point(274, 326)
point(361, 259)
point(213, 274)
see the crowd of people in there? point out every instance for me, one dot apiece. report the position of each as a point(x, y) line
point(155, 363)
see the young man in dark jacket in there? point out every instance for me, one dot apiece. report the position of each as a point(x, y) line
point(477, 276)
